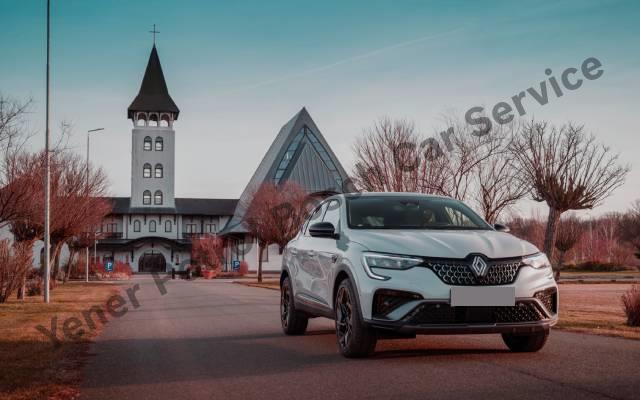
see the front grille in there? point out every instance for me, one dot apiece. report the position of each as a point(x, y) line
point(443, 314)
point(458, 272)
point(548, 297)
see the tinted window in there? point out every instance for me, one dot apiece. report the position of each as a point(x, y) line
point(333, 214)
point(411, 212)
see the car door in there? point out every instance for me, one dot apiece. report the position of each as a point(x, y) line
point(327, 255)
point(306, 260)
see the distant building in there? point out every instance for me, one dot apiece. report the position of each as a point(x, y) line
point(152, 230)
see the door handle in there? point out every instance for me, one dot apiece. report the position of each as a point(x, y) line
point(293, 251)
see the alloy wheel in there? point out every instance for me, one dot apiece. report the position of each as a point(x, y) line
point(344, 313)
point(284, 305)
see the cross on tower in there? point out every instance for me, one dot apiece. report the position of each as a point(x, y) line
point(154, 31)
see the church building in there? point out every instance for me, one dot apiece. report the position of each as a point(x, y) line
point(152, 230)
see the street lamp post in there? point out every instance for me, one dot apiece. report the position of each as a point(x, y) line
point(87, 173)
point(47, 176)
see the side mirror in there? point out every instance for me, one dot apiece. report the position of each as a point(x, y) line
point(501, 228)
point(323, 229)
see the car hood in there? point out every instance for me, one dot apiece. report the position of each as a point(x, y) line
point(443, 243)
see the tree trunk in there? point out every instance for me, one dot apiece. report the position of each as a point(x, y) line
point(561, 259)
point(550, 233)
point(56, 263)
point(260, 251)
point(23, 288)
point(70, 263)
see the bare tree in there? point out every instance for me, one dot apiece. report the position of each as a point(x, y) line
point(274, 215)
point(565, 168)
point(393, 157)
point(629, 227)
point(388, 159)
point(13, 134)
point(77, 200)
point(12, 123)
point(498, 183)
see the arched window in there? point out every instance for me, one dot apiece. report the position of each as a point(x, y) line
point(153, 119)
point(141, 119)
point(159, 144)
point(167, 226)
point(165, 120)
point(152, 226)
point(136, 226)
point(146, 197)
point(157, 198)
point(146, 171)
point(147, 143)
point(158, 170)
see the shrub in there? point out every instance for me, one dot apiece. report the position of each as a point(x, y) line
point(595, 266)
point(15, 262)
point(631, 305)
point(244, 268)
point(206, 250)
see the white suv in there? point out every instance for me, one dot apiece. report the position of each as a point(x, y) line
point(393, 265)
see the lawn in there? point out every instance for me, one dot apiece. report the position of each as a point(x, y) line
point(595, 308)
point(31, 367)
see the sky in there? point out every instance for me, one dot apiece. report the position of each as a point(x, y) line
point(240, 70)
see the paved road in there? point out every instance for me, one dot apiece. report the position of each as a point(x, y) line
point(218, 340)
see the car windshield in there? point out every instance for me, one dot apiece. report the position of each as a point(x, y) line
point(411, 212)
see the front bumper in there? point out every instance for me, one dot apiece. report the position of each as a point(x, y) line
point(529, 315)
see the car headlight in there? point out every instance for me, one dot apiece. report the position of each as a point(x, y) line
point(387, 261)
point(537, 261)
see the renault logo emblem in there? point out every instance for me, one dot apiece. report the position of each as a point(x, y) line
point(479, 267)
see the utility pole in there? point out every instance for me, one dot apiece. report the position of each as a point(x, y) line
point(47, 176)
point(87, 191)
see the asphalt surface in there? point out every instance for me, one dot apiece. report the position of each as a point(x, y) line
point(219, 340)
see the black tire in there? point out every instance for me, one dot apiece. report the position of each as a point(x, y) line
point(294, 322)
point(355, 339)
point(525, 343)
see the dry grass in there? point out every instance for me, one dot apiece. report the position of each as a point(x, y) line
point(30, 366)
point(595, 309)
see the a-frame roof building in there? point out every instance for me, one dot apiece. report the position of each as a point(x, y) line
point(299, 154)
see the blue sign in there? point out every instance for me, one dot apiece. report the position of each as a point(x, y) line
point(235, 265)
point(108, 266)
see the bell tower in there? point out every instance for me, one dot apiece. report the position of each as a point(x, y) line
point(153, 114)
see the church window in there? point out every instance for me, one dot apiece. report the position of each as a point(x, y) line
point(146, 171)
point(153, 120)
point(136, 226)
point(288, 155)
point(167, 226)
point(146, 197)
point(165, 120)
point(157, 198)
point(159, 144)
point(158, 170)
point(147, 143)
point(152, 226)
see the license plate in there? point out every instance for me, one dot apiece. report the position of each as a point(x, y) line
point(483, 296)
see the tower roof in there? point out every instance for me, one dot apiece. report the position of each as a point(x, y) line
point(153, 95)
